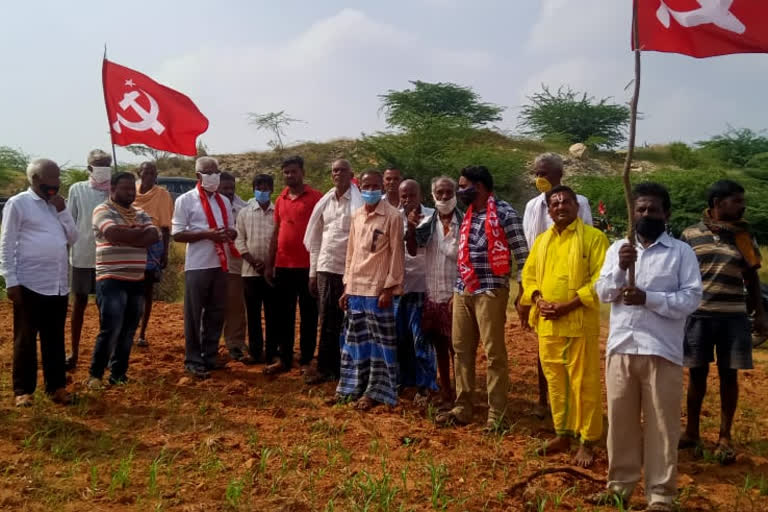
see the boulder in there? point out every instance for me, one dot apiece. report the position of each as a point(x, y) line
point(578, 151)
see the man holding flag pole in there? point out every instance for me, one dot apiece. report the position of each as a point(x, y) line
point(715, 27)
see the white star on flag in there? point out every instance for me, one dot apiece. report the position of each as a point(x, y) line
point(129, 83)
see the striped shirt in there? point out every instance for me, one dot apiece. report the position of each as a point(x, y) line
point(121, 262)
point(722, 266)
point(478, 248)
point(254, 233)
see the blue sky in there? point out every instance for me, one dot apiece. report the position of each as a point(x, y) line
point(325, 62)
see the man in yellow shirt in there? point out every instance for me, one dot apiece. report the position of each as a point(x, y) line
point(559, 282)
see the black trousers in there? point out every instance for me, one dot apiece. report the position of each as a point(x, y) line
point(293, 284)
point(205, 297)
point(330, 288)
point(259, 294)
point(44, 315)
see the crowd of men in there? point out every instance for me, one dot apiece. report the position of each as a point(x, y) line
point(399, 290)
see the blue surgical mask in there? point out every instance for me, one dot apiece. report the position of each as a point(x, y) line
point(371, 196)
point(261, 196)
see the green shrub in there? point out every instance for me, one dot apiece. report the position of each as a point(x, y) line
point(735, 147)
point(759, 161)
point(171, 286)
point(683, 155)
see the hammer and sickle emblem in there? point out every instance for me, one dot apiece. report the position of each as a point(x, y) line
point(717, 12)
point(148, 119)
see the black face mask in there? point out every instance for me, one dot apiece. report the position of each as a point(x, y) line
point(650, 229)
point(467, 196)
point(48, 191)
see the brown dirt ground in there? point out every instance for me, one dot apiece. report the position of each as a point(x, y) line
point(242, 441)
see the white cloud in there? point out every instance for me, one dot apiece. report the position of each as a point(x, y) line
point(329, 76)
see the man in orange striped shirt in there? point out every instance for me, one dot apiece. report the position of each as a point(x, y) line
point(122, 233)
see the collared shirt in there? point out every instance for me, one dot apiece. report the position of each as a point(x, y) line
point(118, 261)
point(375, 252)
point(254, 234)
point(416, 266)
point(478, 248)
point(556, 286)
point(668, 272)
point(722, 267)
point(330, 254)
point(81, 201)
point(291, 219)
point(235, 263)
point(188, 215)
point(536, 218)
point(442, 249)
point(33, 244)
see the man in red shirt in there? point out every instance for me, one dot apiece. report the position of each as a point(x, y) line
point(288, 267)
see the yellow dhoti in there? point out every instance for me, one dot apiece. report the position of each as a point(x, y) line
point(572, 368)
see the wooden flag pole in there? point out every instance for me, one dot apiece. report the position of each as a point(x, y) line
point(631, 146)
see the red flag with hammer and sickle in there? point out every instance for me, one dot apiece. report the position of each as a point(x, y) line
point(142, 111)
point(703, 28)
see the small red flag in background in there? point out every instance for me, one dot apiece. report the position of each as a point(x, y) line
point(141, 111)
point(703, 28)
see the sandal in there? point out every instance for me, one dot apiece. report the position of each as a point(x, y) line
point(449, 419)
point(142, 342)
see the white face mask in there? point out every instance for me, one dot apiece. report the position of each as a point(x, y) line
point(445, 207)
point(101, 174)
point(210, 182)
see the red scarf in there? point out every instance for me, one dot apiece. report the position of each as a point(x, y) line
point(212, 224)
point(498, 248)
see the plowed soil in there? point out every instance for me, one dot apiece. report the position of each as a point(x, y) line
point(243, 441)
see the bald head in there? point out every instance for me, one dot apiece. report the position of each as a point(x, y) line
point(44, 177)
point(410, 195)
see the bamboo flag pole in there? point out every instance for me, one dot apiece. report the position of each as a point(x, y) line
point(631, 146)
point(114, 153)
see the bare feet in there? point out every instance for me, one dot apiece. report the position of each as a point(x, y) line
point(584, 457)
point(365, 404)
point(421, 399)
point(724, 452)
point(540, 411)
point(556, 445)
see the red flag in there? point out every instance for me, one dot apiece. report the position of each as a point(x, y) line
point(141, 111)
point(703, 28)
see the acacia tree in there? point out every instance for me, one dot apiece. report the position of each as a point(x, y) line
point(274, 123)
point(736, 147)
point(444, 102)
point(575, 117)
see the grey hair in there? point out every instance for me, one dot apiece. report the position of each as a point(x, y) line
point(203, 160)
point(96, 155)
point(551, 159)
point(438, 179)
point(37, 166)
point(344, 160)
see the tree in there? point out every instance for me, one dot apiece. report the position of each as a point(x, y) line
point(274, 123)
point(735, 147)
point(448, 103)
point(13, 159)
point(147, 152)
point(575, 117)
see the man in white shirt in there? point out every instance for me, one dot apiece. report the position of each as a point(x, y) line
point(548, 172)
point(255, 226)
point(234, 317)
point(202, 219)
point(82, 199)
point(36, 230)
point(326, 240)
point(440, 235)
point(644, 353)
point(416, 357)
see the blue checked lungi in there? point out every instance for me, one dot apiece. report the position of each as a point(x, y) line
point(417, 360)
point(369, 353)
